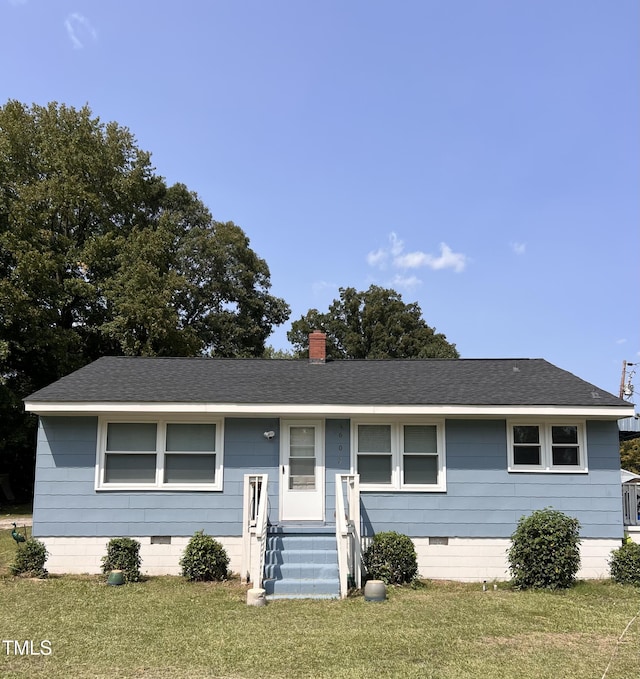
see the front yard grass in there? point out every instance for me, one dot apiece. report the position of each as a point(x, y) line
point(166, 627)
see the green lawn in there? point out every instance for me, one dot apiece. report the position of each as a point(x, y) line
point(166, 627)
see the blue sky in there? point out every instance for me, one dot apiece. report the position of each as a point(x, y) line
point(482, 157)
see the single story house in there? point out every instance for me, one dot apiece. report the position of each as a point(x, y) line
point(254, 452)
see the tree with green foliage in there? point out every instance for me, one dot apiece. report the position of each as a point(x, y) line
point(272, 352)
point(630, 455)
point(374, 323)
point(99, 256)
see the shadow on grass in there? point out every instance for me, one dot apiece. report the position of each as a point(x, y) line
point(9, 511)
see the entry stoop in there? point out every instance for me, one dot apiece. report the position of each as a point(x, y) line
point(301, 563)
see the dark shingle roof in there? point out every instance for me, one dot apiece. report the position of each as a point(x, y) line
point(514, 382)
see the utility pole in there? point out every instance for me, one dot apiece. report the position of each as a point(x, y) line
point(626, 389)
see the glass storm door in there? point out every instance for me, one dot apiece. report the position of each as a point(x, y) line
point(301, 472)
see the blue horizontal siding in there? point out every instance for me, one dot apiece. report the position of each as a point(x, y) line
point(337, 460)
point(67, 504)
point(482, 499)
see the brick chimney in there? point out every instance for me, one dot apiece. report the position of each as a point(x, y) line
point(317, 347)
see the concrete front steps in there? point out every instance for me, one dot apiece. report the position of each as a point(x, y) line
point(301, 562)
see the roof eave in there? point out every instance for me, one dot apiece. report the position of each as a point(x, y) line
point(326, 410)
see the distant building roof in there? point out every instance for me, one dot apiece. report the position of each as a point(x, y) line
point(628, 477)
point(629, 424)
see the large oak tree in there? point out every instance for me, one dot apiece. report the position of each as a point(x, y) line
point(374, 323)
point(99, 256)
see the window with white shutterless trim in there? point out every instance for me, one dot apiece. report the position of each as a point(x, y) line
point(400, 455)
point(547, 446)
point(159, 454)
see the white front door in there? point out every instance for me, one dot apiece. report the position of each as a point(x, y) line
point(302, 471)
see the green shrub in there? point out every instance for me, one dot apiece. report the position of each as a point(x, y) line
point(625, 564)
point(391, 557)
point(30, 559)
point(204, 559)
point(123, 554)
point(545, 550)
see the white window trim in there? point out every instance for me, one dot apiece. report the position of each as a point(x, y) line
point(161, 431)
point(397, 455)
point(546, 465)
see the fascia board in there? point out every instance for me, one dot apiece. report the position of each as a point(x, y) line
point(280, 409)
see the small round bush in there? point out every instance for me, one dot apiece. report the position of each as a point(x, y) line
point(545, 550)
point(391, 557)
point(625, 564)
point(30, 559)
point(204, 559)
point(123, 554)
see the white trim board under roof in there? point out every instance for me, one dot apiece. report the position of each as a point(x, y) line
point(229, 409)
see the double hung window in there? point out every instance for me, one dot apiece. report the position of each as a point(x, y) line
point(547, 447)
point(159, 454)
point(400, 455)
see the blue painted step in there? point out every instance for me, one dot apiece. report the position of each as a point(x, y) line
point(301, 565)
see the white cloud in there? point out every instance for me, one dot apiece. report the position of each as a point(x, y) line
point(381, 256)
point(407, 282)
point(621, 341)
point(397, 246)
point(79, 30)
point(412, 260)
point(519, 248)
point(447, 259)
point(377, 258)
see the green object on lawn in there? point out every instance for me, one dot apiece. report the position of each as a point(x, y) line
point(115, 578)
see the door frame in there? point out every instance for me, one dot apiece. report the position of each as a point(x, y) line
point(283, 470)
